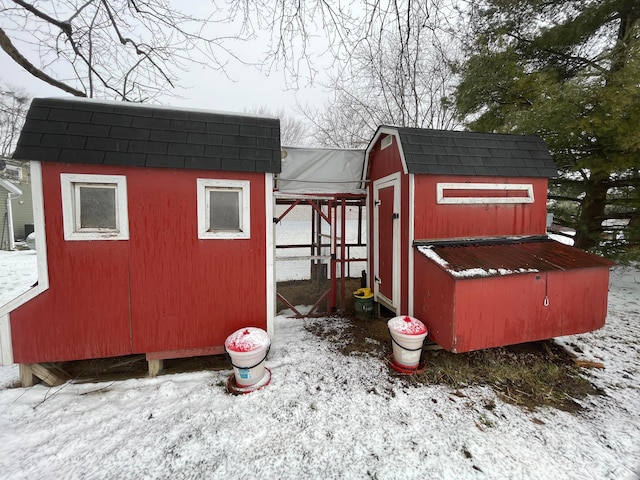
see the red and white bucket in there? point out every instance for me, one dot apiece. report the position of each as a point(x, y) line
point(248, 349)
point(407, 336)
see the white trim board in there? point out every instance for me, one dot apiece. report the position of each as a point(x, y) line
point(270, 253)
point(392, 180)
point(505, 187)
point(244, 186)
point(6, 343)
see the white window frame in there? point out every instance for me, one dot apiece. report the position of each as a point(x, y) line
point(69, 183)
point(386, 142)
point(13, 172)
point(207, 184)
point(523, 187)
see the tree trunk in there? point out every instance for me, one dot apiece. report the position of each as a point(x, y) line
point(592, 211)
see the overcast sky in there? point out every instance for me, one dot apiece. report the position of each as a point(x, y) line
point(200, 88)
point(244, 87)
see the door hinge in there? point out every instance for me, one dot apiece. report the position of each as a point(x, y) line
point(377, 279)
point(377, 203)
point(396, 216)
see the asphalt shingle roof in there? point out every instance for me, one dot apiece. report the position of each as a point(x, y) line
point(440, 152)
point(130, 134)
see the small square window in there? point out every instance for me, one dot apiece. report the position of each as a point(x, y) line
point(94, 207)
point(386, 141)
point(223, 208)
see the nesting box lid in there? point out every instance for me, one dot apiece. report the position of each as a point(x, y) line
point(247, 340)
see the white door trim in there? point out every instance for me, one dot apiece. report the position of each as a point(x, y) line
point(392, 180)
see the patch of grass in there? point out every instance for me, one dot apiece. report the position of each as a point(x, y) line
point(530, 375)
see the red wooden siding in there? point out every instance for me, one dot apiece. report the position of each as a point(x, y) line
point(164, 289)
point(496, 311)
point(385, 251)
point(491, 296)
point(475, 313)
point(185, 291)
point(381, 164)
point(433, 294)
point(434, 220)
point(85, 311)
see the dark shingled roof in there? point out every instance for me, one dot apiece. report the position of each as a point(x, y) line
point(439, 152)
point(130, 134)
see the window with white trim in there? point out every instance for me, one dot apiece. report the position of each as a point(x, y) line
point(94, 207)
point(483, 193)
point(223, 209)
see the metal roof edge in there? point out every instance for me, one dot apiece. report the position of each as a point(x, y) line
point(459, 242)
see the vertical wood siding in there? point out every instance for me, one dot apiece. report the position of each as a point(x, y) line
point(496, 311)
point(161, 290)
point(476, 313)
point(434, 221)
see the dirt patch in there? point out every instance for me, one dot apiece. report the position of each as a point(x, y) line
point(531, 375)
point(308, 292)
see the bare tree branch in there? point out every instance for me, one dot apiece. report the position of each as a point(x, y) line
point(7, 46)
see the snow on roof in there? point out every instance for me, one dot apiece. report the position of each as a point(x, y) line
point(508, 256)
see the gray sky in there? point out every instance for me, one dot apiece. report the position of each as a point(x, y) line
point(243, 88)
point(200, 88)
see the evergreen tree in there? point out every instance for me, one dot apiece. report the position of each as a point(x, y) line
point(569, 71)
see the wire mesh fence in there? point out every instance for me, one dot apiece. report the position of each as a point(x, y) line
point(314, 246)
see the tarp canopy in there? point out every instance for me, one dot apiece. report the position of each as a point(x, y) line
point(320, 170)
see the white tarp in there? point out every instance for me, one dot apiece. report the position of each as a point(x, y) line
point(320, 170)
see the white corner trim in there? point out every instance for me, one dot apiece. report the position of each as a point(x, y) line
point(203, 211)
point(6, 343)
point(270, 254)
point(520, 187)
point(6, 348)
point(37, 196)
point(410, 268)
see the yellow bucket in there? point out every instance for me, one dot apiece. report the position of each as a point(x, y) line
point(363, 303)
point(363, 293)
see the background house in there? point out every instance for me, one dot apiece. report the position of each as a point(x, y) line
point(17, 206)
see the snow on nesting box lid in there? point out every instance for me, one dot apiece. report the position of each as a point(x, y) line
point(407, 325)
point(247, 339)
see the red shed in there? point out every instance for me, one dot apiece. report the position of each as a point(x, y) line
point(154, 231)
point(457, 226)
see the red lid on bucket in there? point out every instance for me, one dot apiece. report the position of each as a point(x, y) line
point(247, 340)
point(407, 325)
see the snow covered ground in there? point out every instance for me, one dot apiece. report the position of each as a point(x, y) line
point(324, 415)
point(17, 273)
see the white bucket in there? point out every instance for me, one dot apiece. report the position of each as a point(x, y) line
point(407, 335)
point(248, 349)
